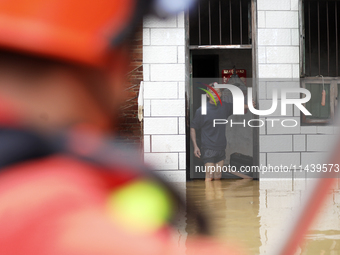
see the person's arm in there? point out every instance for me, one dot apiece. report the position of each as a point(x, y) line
point(197, 151)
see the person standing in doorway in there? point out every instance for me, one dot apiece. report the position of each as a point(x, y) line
point(213, 139)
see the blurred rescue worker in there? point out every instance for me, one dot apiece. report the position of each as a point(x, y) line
point(64, 190)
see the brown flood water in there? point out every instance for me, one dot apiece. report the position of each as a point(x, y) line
point(254, 214)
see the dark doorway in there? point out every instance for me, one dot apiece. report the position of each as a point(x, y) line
point(221, 36)
point(207, 67)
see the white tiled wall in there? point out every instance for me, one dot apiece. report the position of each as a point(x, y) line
point(164, 104)
point(278, 57)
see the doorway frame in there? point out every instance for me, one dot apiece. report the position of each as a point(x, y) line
point(189, 87)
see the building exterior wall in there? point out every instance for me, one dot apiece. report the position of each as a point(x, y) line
point(278, 61)
point(278, 57)
point(164, 104)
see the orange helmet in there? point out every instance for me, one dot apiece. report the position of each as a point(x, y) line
point(82, 31)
